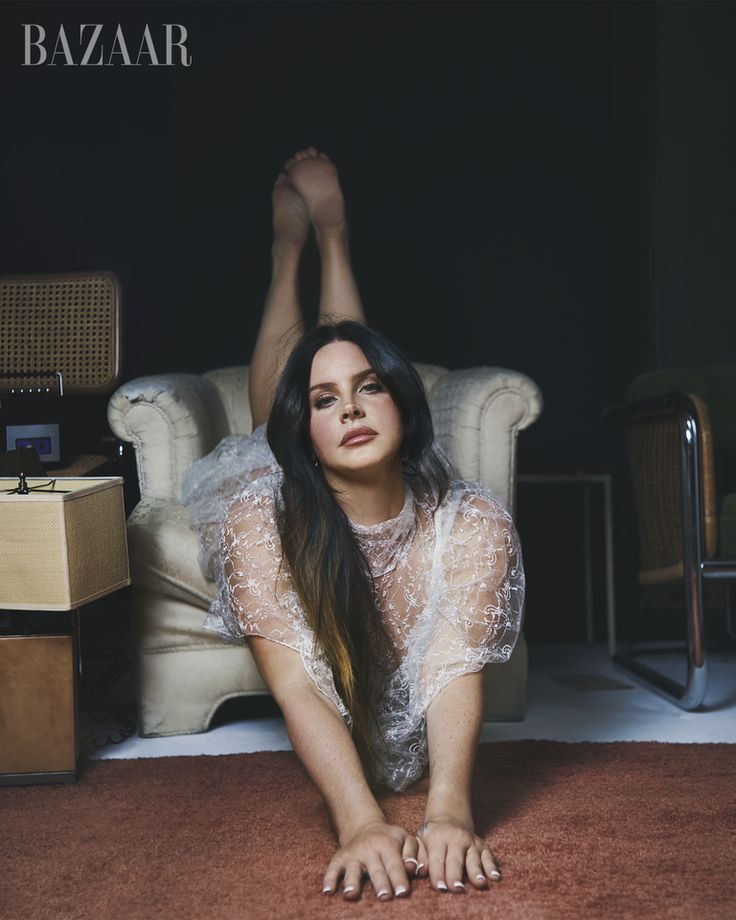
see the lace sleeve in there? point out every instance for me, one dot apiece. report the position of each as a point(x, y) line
point(481, 590)
point(213, 482)
point(255, 593)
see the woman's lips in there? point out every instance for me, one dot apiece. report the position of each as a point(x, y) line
point(357, 436)
point(358, 439)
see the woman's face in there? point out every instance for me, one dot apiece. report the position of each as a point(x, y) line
point(355, 426)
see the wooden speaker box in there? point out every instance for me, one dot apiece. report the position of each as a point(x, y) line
point(38, 676)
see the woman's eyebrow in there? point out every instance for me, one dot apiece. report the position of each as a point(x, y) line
point(330, 385)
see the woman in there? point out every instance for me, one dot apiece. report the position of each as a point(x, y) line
point(372, 589)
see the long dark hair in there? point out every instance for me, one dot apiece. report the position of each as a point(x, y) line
point(328, 569)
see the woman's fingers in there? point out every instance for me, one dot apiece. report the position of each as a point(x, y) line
point(422, 856)
point(437, 853)
point(397, 874)
point(380, 880)
point(353, 881)
point(410, 855)
point(489, 865)
point(446, 864)
point(332, 877)
point(455, 868)
point(383, 852)
point(473, 867)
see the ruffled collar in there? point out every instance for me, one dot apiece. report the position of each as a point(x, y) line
point(385, 544)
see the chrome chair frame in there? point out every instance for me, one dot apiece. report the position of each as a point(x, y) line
point(696, 568)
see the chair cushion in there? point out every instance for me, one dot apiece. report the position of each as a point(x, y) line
point(163, 552)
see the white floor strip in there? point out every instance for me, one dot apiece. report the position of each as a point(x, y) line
point(574, 694)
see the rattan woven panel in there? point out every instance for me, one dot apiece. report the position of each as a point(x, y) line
point(653, 449)
point(653, 452)
point(69, 323)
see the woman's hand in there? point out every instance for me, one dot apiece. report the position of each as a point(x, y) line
point(450, 849)
point(383, 851)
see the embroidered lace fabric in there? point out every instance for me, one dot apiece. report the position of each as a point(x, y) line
point(211, 484)
point(450, 587)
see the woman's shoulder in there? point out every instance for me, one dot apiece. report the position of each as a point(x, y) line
point(465, 497)
point(470, 510)
point(258, 498)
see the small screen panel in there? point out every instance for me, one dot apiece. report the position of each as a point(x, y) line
point(45, 439)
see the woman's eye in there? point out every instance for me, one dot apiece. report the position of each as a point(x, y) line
point(322, 402)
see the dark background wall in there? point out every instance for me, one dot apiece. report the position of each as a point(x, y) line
point(542, 186)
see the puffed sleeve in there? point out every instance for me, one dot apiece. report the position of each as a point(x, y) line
point(478, 591)
point(212, 483)
point(255, 595)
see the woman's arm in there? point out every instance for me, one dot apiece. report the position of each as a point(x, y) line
point(321, 740)
point(481, 619)
point(450, 845)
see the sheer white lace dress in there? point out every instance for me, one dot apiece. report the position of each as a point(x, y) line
point(449, 586)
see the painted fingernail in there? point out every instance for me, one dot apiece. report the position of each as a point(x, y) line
point(411, 859)
point(327, 890)
point(441, 885)
point(349, 889)
point(400, 890)
point(384, 894)
point(494, 874)
point(481, 878)
point(458, 885)
point(420, 866)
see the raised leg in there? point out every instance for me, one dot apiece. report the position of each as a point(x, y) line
point(282, 323)
point(315, 177)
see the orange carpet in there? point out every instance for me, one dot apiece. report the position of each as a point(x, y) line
point(610, 831)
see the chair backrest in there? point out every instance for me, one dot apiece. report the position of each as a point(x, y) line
point(69, 323)
point(716, 386)
point(654, 454)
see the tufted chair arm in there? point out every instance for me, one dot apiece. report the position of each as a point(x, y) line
point(478, 413)
point(171, 420)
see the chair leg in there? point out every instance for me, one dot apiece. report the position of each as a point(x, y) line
point(690, 695)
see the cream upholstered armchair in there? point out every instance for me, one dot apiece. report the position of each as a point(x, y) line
point(184, 672)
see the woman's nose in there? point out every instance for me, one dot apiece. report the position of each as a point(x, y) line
point(352, 411)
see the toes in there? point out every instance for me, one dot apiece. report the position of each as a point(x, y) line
point(293, 160)
point(308, 153)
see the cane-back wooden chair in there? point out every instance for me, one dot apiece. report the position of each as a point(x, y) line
point(686, 524)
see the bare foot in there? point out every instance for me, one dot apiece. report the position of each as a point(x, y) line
point(290, 215)
point(314, 176)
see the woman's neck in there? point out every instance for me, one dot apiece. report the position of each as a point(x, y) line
point(372, 500)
